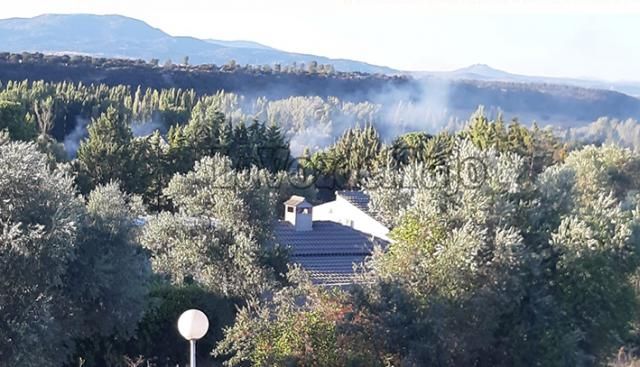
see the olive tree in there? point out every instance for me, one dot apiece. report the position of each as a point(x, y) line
point(196, 249)
point(506, 271)
point(221, 236)
point(242, 201)
point(63, 263)
point(40, 216)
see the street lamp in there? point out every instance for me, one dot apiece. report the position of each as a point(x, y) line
point(193, 325)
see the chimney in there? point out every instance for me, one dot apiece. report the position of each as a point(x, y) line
point(299, 213)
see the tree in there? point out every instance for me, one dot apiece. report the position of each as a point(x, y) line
point(180, 155)
point(330, 69)
point(198, 249)
point(63, 263)
point(410, 147)
point(300, 325)
point(242, 201)
point(313, 67)
point(157, 337)
point(595, 239)
point(107, 257)
point(107, 154)
point(539, 272)
point(203, 131)
point(539, 147)
point(454, 266)
point(241, 148)
point(12, 118)
point(353, 158)
point(231, 65)
point(38, 240)
point(157, 171)
point(44, 112)
point(226, 138)
point(273, 150)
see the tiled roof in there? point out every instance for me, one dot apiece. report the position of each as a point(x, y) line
point(329, 251)
point(357, 198)
point(326, 238)
point(330, 270)
point(297, 201)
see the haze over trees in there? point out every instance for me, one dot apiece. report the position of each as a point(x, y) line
point(428, 101)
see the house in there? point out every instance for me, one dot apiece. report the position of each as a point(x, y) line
point(351, 208)
point(328, 240)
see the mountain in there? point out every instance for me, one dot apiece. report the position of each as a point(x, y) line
point(116, 45)
point(487, 73)
point(479, 72)
point(241, 44)
point(123, 37)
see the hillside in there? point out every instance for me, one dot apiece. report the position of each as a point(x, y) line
point(248, 80)
point(422, 98)
point(123, 37)
point(260, 70)
point(487, 73)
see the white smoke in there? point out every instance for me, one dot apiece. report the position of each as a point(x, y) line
point(314, 122)
point(73, 139)
point(141, 129)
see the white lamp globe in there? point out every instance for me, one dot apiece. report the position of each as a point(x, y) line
point(193, 324)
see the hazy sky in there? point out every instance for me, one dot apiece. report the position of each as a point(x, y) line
point(587, 38)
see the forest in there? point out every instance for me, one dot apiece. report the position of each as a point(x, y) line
point(513, 245)
point(560, 105)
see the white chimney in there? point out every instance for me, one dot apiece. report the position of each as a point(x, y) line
point(299, 212)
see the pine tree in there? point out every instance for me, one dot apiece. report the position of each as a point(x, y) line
point(106, 155)
point(241, 149)
point(12, 118)
point(202, 134)
point(351, 159)
point(225, 138)
point(274, 153)
point(410, 147)
point(156, 167)
point(180, 154)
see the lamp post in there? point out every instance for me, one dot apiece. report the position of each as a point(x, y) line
point(193, 325)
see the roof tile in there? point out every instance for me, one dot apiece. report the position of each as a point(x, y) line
point(328, 252)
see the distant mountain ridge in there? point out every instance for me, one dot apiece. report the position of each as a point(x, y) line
point(420, 101)
point(116, 44)
point(124, 37)
point(487, 73)
point(241, 44)
point(480, 71)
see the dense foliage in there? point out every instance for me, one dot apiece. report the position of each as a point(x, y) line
point(277, 81)
point(504, 271)
point(63, 262)
point(624, 133)
point(511, 247)
point(417, 101)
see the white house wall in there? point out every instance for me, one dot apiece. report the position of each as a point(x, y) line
point(342, 211)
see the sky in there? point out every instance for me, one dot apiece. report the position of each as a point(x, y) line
point(566, 38)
